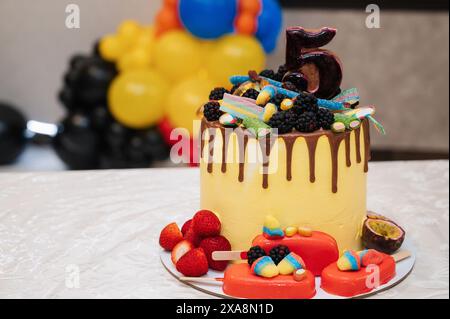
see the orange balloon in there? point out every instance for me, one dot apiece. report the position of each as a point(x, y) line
point(166, 20)
point(246, 24)
point(250, 6)
point(171, 3)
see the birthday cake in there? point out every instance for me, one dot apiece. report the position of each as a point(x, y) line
point(284, 162)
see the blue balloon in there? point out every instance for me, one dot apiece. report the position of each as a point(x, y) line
point(270, 23)
point(208, 19)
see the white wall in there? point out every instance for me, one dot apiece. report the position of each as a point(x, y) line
point(401, 68)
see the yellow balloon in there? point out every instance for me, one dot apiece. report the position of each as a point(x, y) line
point(235, 55)
point(136, 59)
point(111, 48)
point(128, 31)
point(146, 39)
point(177, 55)
point(185, 100)
point(136, 98)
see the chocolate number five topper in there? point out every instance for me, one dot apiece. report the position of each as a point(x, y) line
point(318, 71)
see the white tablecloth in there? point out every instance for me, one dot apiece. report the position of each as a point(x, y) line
point(95, 234)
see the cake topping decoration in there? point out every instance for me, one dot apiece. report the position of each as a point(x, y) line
point(279, 100)
point(305, 231)
point(290, 231)
point(290, 264)
point(278, 253)
point(286, 104)
point(241, 107)
point(228, 120)
point(302, 50)
point(370, 257)
point(255, 253)
point(349, 261)
point(256, 127)
point(299, 274)
point(265, 267)
point(272, 229)
point(382, 234)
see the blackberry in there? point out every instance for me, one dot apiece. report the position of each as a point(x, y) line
point(251, 94)
point(306, 123)
point(325, 118)
point(217, 94)
point(211, 111)
point(306, 102)
point(277, 99)
point(255, 253)
point(270, 74)
point(278, 253)
point(283, 121)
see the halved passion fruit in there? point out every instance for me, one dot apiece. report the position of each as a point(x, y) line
point(382, 234)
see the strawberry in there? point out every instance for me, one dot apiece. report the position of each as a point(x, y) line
point(180, 249)
point(186, 226)
point(217, 243)
point(206, 224)
point(193, 264)
point(170, 236)
point(192, 236)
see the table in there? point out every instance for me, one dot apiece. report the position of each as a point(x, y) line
point(95, 234)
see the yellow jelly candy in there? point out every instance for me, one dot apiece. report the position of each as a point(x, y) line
point(290, 231)
point(305, 231)
point(300, 274)
point(269, 111)
point(286, 104)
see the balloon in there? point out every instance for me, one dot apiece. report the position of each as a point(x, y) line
point(208, 19)
point(270, 23)
point(136, 98)
point(111, 47)
point(128, 32)
point(86, 83)
point(136, 59)
point(177, 55)
point(76, 143)
point(185, 100)
point(12, 134)
point(167, 20)
point(146, 39)
point(235, 54)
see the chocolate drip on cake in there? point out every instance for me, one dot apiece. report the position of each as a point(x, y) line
point(212, 136)
point(289, 143)
point(267, 143)
point(348, 160)
point(358, 144)
point(202, 140)
point(367, 154)
point(225, 139)
point(335, 142)
point(311, 142)
point(242, 141)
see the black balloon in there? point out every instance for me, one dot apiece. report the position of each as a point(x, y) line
point(86, 82)
point(77, 144)
point(90, 137)
point(12, 134)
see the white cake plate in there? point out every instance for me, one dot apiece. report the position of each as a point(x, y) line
point(403, 269)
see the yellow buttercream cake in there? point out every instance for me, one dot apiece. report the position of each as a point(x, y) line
point(315, 179)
